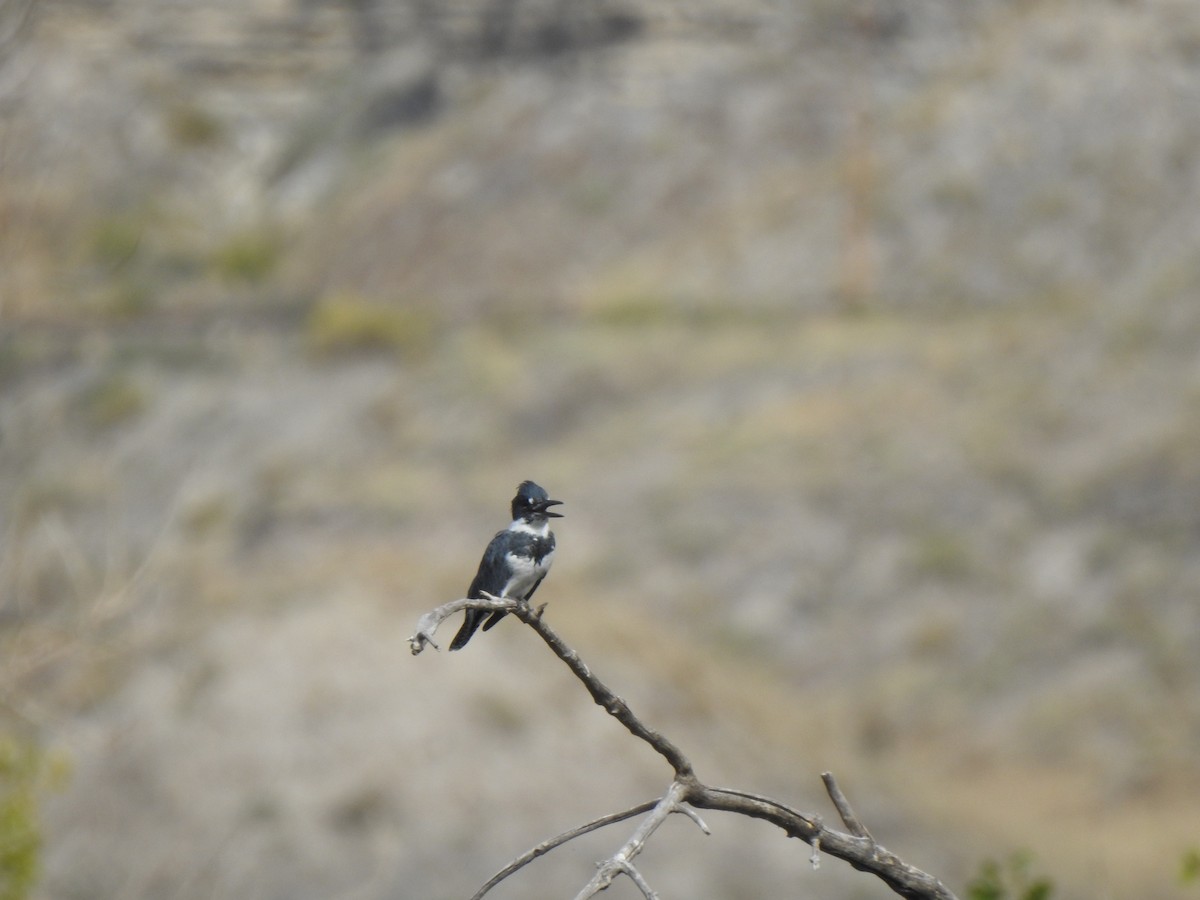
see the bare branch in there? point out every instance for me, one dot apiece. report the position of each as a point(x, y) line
point(857, 848)
point(546, 846)
point(695, 817)
point(851, 821)
point(636, 877)
point(614, 705)
point(807, 828)
point(862, 853)
point(619, 862)
point(429, 622)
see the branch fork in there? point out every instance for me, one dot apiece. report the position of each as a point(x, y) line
point(687, 793)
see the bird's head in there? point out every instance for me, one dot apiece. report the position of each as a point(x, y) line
point(532, 503)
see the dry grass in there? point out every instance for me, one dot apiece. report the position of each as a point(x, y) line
point(940, 539)
point(849, 611)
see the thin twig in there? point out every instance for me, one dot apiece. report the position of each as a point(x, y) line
point(694, 816)
point(618, 863)
point(428, 623)
point(857, 828)
point(637, 878)
point(546, 846)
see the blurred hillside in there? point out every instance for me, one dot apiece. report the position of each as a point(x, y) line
point(862, 341)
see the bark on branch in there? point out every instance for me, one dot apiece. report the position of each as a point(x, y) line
point(855, 847)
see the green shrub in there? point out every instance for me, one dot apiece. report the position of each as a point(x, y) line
point(345, 323)
point(114, 241)
point(1009, 881)
point(1189, 868)
point(191, 126)
point(939, 553)
point(112, 400)
point(248, 257)
point(127, 298)
point(22, 770)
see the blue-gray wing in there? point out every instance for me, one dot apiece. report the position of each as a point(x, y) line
point(538, 548)
point(491, 577)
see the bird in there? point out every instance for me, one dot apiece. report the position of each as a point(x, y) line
point(515, 561)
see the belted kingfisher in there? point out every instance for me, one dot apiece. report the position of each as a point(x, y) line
point(516, 560)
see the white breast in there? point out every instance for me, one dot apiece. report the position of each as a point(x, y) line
point(540, 530)
point(525, 573)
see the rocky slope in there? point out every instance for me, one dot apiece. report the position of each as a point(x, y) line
point(859, 339)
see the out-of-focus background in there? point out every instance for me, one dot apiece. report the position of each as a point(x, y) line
point(862, 340)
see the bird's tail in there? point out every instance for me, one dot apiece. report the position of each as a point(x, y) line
point(469, 626)
point(494, 618)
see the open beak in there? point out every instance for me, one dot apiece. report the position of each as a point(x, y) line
point(544, 508)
